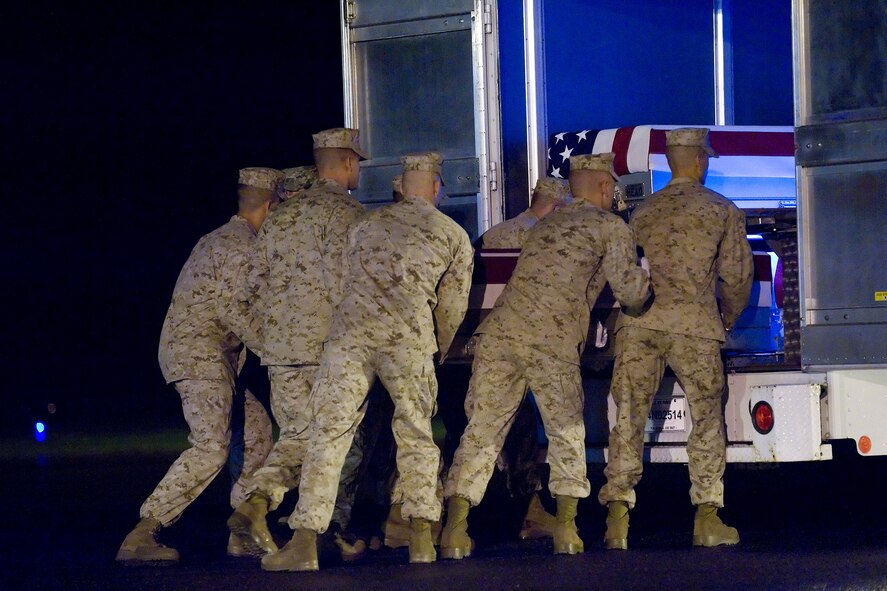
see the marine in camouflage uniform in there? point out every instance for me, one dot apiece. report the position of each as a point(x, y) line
point(548, 195)
point(696, 245)
point(521, 450)
point(407, 292)
point(298, 271)
point(533, 338)
point(201, 352)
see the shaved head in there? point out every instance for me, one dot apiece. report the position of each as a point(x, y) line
point(421, 183)
point(327, 158)
point(687, 161)
point(339, 164)
point(250, 199)
point(584, 183)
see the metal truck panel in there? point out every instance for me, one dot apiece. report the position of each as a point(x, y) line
point(796, 434)
point(737, 411)
point(857, 408)
point(424, 76)
point(841, 114)
point(372, 12)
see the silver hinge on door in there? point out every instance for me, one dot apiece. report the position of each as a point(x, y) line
point(494, 177)
point(488, 18)
point(350, 11)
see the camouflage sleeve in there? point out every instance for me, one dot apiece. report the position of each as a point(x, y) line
point(334, 246)
point(629, 282)
point(452, 295)
point(233, 304)
point(735, 268)
point(257, 271)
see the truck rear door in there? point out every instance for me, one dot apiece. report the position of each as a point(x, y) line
point(424, 76)
point(841, 119)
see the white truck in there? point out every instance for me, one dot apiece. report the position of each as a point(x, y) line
point(808, 363)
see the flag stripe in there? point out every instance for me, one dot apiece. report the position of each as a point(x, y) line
point(621, 142)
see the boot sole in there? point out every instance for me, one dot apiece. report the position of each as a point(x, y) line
point(455, 553)
point(616, 544)
point(712, 541)
point(568, 548)
point(301, 567)
point(246, 551)
point(423, 559)
point(127, 558)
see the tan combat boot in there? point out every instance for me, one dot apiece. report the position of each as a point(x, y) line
point(566, 536)
point(616, 537)
point(454, 540)
point(709, 530)
point(299, 554)
point(140, 547)
point(421, 544)
point(242, 546)
point(249, 521)
point(396, 528)
point(351, 548)
point(538, 523)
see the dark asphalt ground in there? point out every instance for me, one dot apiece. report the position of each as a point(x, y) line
point(803, 526)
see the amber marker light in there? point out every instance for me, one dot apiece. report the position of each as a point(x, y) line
point(865, 444)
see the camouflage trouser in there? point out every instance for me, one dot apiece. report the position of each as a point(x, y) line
point(398, 494)
point(641, 356)
point(258, 439)
point(346, 373)
point(520, 456)
point(207, 408)
point(291, 407)
point(290, 392)
point(502, 372)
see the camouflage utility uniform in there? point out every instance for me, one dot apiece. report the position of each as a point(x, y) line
point(521, 449)
point(533, 338)
point(691, 236)
point(298, 270)
point(510, 233)
point(201, 348)
point(410, 273)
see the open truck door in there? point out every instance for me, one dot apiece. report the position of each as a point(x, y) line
point(424, 76)
point(841, 119)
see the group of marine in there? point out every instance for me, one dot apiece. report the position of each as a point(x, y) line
point(332, 296)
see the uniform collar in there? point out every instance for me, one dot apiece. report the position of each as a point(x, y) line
point(682, 180)
point(240, 220)
point(418, 200)
point(330, 182)
point(577, 203)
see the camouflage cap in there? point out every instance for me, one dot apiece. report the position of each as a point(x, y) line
point(299, 177)
point(554, 189)
point(690, 137)
point(339, 137)
point(602, 162)
point(423, 161)
point(261, 177)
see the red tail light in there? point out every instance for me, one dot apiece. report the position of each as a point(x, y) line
point(762, 417)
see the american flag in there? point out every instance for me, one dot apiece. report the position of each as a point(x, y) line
point(641, 148)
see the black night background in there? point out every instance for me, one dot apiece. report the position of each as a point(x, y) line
point(123, 127)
